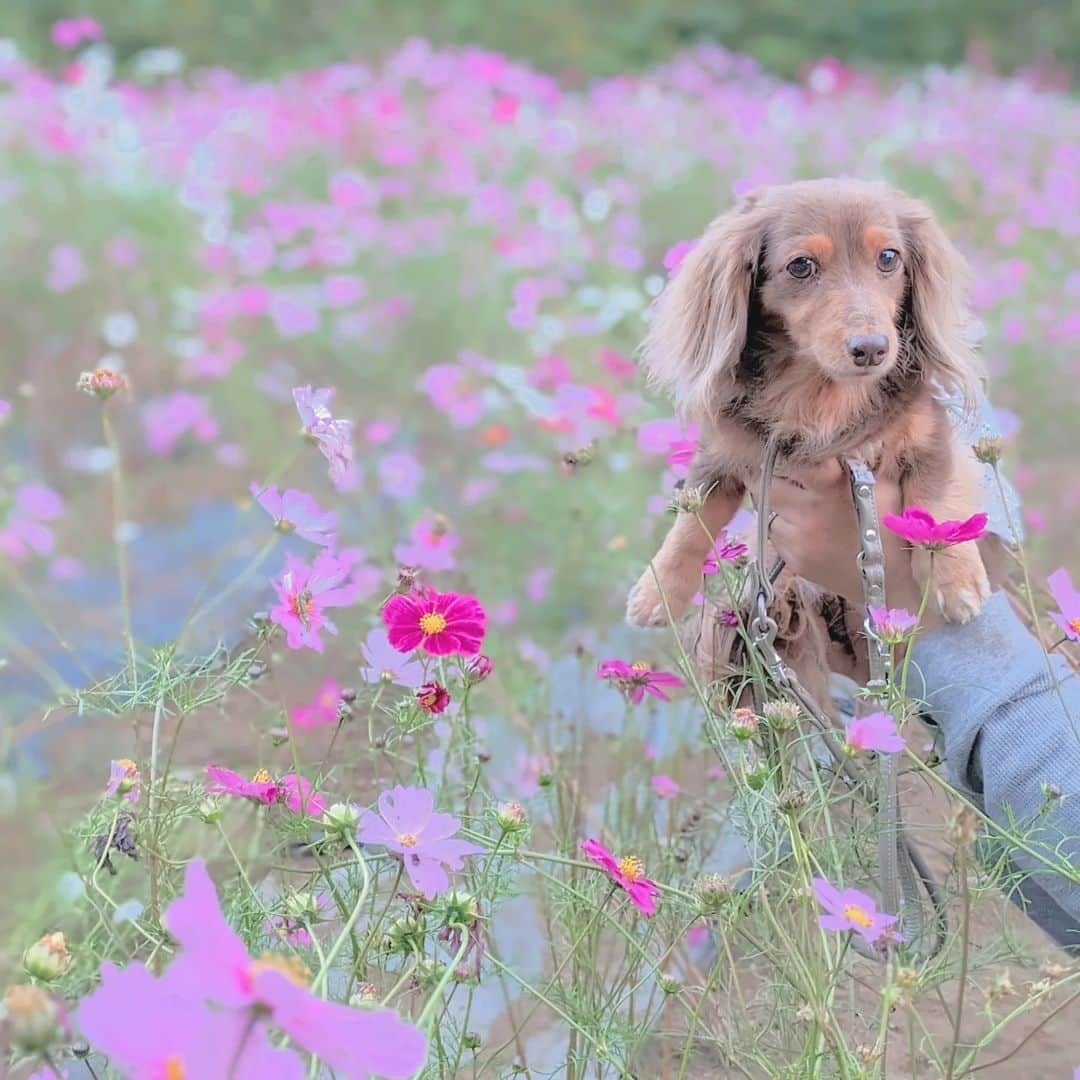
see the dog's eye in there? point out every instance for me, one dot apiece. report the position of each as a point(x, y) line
point(802, 267)
point(888, 260)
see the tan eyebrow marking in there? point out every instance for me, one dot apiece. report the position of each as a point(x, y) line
point(874, 239)
point(819, 246)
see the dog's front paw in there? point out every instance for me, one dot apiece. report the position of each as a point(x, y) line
point(961, 586)
point(654, 601)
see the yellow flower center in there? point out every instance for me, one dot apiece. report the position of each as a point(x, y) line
point(640, 665)
point(407, 839)
point(129, 765)
point(854, 913)
point(1074, 625)
point(432, 622)
point(262, 777)
point(174, 1068)
point(292, 967)
point(631, 867)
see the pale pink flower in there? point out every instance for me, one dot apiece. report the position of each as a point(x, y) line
point(304, 594)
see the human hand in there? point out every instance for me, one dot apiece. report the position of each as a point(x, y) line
point(817, 534)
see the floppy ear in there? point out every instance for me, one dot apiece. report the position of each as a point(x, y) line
point(699, 323)
point(936, 323)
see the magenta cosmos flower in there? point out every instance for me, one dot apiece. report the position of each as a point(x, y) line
point(723, 550)
point(1068, 599)
point(628, 873)
point(877, 731)
point(892, 625)
point(304, 592)
point(297, 512)
point(321, 710)
point(851, 910)
point(664, 786)
point(383, 663)
point(332, 436)
point(213, 969)
point(638, 679)
point(917, 526)
point(123, 779)
point(294, 791)
point(408, 825)
point(440, 624)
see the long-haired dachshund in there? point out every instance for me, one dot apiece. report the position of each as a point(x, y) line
point(832, 313)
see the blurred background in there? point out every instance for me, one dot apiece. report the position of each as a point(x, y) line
point(456, 214)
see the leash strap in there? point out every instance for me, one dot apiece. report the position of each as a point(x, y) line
point(901, 865)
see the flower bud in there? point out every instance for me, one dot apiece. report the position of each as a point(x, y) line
point(48, 958)
point(687, 500)
point(458, 908)
point(34, 1018)
point(343, 819)
point(478, 668)
point(102, 382)
point(743, 724)
point(365, 996)
point(406, 936)
point(471, 1040)
point(781, 714)
point(511, 817)
point(791, 802)
point(669, 986)
point(303, 906)
point(210, 811)
point(988, 449)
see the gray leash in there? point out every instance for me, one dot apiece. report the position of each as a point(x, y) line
point(901, 865)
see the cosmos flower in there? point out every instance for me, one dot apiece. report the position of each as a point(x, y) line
point(637, 680)
point(431, 545)
point(723, 550)
point(917, 526)
point(876, 732)
point(628, 873)
point(304, 593)
point(664, 786)
point(440, 624)
point(123, 779)
point(851, 910)
point(1068, 600)
point(433, 698)
point(321, 710)
point(25, 530)
point(408, 825)
point(332, 436)
point(294, 791)
point(383, 663)
point(297, 512)
point(167, 419)
point(892, 625)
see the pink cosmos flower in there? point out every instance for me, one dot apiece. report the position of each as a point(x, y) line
point(399, 475)
point(332, 436)
point(294, 791)
point(675, 254)
point(408, 825)
point(321, 710)
point(637, 680)
point(917, 526)
point(167, 419)
point(66, 268)
point(448, 387)
point(431, 545)
point(877, 731)
point(681, 454)
point(1068, 599)
point(304, 592)
point(851, 910)
point(123, 779)
point(383, 663)
point(628, 873)
point(433, 698)
point(68, 33)
point(723, 550)
point(664, 786)
point(440, 624)
point(24, 530)
point(892, 625)
point(213, 967)
point(297, 512)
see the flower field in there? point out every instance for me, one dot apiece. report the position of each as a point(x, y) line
point(327, 469)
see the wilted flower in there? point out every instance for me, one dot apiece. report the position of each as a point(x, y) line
point(332, 436)
point(713, 892)
point(102, 382)
point(687, 500)
point(34, 1019)
point(436, 623)
point(628, 873)
point(433, 698)
point(408, 825)
point(851, 910)
point(876, 732)
point(918, 526)
point(48, 958)
point(638, 679)
point(123, 779)
point(988, 449)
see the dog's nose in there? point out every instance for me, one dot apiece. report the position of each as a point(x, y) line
point(868, 350)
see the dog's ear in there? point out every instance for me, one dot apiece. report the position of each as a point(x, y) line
point(936, 323)
point(699, 323)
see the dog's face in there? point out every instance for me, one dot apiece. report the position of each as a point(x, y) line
point(858, 278)
point(834, 278)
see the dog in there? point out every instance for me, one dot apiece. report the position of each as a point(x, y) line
point(831, 314)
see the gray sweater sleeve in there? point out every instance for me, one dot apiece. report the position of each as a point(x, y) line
point(1008, 731)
